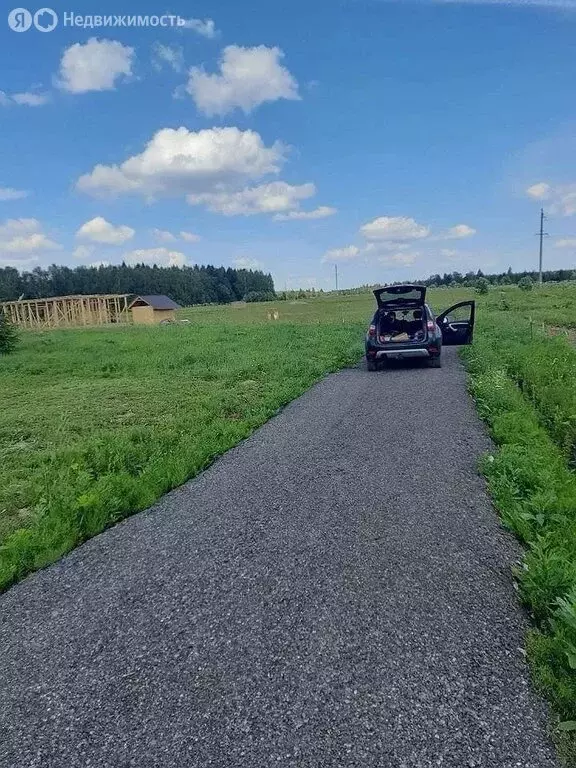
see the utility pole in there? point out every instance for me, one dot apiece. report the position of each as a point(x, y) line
point(336, 272)
point(542, 235)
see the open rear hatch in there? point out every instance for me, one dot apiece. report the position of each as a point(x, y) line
point(405, 296)
point(401, 314)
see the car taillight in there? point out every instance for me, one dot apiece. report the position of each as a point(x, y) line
point(372, 331)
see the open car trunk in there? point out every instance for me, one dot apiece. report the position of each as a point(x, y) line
point(403, 325)
point(401, 297)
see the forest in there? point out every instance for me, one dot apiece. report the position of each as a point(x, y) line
point(186, 285)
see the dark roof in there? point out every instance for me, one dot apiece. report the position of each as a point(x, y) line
point(156, 302)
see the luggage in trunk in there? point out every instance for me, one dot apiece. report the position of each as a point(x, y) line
point(402, 326)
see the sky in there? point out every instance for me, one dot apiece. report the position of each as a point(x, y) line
point(393, 138)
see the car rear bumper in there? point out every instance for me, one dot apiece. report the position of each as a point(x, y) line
point(400, 354)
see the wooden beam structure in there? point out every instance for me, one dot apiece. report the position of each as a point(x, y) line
point(68, 311)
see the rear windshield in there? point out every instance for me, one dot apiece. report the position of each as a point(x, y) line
point(398, 294)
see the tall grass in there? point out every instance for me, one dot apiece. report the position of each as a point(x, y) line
point(525, 389)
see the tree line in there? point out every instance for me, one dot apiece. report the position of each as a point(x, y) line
point(470, 279)
point(186, 285)
point(501, 278)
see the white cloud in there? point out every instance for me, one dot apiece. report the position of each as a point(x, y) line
point(244, 262)
point(561, 198)
point(540, 191)
point(342, 254)
point(565, 204)
point(97, 264)
point(568, 243)
point(248, 77)
point(99, 230)
point(160, 256)
point(18, 227)
point(83, 252)
point(37, 241)
point(164, 236)
point(267, 198)
point(178, 161)
point(399, 259)
point(204, 27)
point(26, 98)
point(166, 55)
point(167, 237)
point(390, 240)
point(30, 99)
point(190, 237)
point(94, 66)
point(321, 212)
point(8, 193)
point(24, 236)
point(459, 232)
point(394, 228)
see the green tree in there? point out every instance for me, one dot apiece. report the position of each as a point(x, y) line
point(8, 335)
point(525, 283)
point(482, 285)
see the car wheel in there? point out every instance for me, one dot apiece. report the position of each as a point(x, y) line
point(435, 362)
point(371, 365)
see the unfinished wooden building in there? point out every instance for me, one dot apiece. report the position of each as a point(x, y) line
point(68, 311)
point(152, 310)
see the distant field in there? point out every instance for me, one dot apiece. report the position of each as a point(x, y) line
point(553, 305)
point(352, 309)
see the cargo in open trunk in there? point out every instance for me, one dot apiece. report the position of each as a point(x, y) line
point(401, 325)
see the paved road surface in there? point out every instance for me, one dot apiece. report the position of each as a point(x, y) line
point(335, 592)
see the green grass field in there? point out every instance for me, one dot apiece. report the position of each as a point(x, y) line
point(98, 423)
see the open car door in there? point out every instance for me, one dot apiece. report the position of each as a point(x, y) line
point(457, 323)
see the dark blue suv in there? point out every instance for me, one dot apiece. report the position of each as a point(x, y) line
point(404, 326)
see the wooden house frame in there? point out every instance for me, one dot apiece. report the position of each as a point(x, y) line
point(68, 311)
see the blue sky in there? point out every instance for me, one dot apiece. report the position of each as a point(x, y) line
point(396, 139)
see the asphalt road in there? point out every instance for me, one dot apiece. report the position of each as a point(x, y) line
point(334, 592)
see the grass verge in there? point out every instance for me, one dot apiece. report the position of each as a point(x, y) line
point(534, 489)
point(98, 424)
